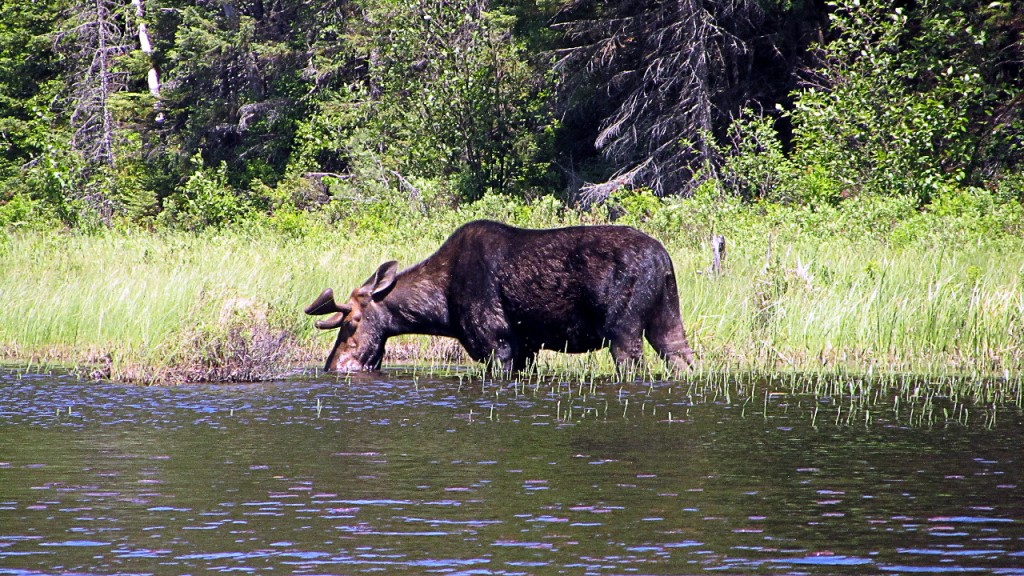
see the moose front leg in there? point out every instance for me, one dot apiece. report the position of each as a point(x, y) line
point(495, 345)
point(627, 351)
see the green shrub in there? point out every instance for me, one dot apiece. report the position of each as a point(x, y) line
point(206, 200)
point(18, 211)
point(460, 100)
point(633, 206)
point(292, 222)
point(889, 111)
point(754, 165)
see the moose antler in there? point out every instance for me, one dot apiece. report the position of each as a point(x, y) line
point(324, 304)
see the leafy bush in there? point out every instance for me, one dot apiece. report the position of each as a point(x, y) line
point(632, 206)
point(459, 99)
point(754, 166)
point(292, 222)
point(17, 211)
point(971, 214)
point(206, 200)
point(500, 207)
point(888, 112)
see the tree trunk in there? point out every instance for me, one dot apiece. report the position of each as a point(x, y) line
point(153, 77)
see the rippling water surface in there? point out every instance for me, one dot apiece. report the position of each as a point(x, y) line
point(396, 474)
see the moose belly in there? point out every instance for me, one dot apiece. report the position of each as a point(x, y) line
point(573, 338)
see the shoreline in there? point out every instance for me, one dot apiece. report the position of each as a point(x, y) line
point(437, 354)
point(794, 294)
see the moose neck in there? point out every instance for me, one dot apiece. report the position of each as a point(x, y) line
point(418, 303)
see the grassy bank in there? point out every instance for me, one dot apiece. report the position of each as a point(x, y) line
point(149, 303)
point(795, 295)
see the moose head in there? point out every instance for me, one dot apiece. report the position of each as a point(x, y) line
point(361, 322)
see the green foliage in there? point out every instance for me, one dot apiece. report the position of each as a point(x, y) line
point(633, 206)
point(18, 211)
point(889, 109)
point(328, 138)
point(375, 113)
point(28, 82)
point(753, 165)
point(896, 107)
point(964, 215)
point(293, 223)
point(458, 98)
point(375, 218)
point(206, 200)
point(123, 183)
point(56, 180)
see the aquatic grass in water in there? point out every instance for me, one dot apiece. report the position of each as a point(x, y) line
point(826, 305)
point(825, 398)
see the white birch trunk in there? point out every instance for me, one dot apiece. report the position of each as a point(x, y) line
point(153, 77)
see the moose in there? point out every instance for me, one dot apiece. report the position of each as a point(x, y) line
point(505, 293)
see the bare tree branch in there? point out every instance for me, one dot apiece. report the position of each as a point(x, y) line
point(94, 39)
point(674, 71)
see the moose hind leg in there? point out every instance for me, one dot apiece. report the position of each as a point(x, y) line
point(669, 340)
point(665, 330)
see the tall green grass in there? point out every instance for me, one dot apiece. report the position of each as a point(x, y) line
point(791, 303)
point(812, 304)
point(139, 297)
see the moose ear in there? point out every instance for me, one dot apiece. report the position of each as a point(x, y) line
point(382, 281)
point(324, 304)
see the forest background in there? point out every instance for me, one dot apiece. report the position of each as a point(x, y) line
point(896, 127)
point(202, 113)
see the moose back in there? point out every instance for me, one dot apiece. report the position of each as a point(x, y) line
point(505, 293)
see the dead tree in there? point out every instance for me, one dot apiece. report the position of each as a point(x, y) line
point(664, 77)
point(93, 38)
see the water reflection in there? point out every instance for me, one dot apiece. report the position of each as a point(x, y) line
point(319, 475)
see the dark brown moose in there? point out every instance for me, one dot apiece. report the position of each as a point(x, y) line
point(507, 292)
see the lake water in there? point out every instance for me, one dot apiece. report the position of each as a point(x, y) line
point(393, 473)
